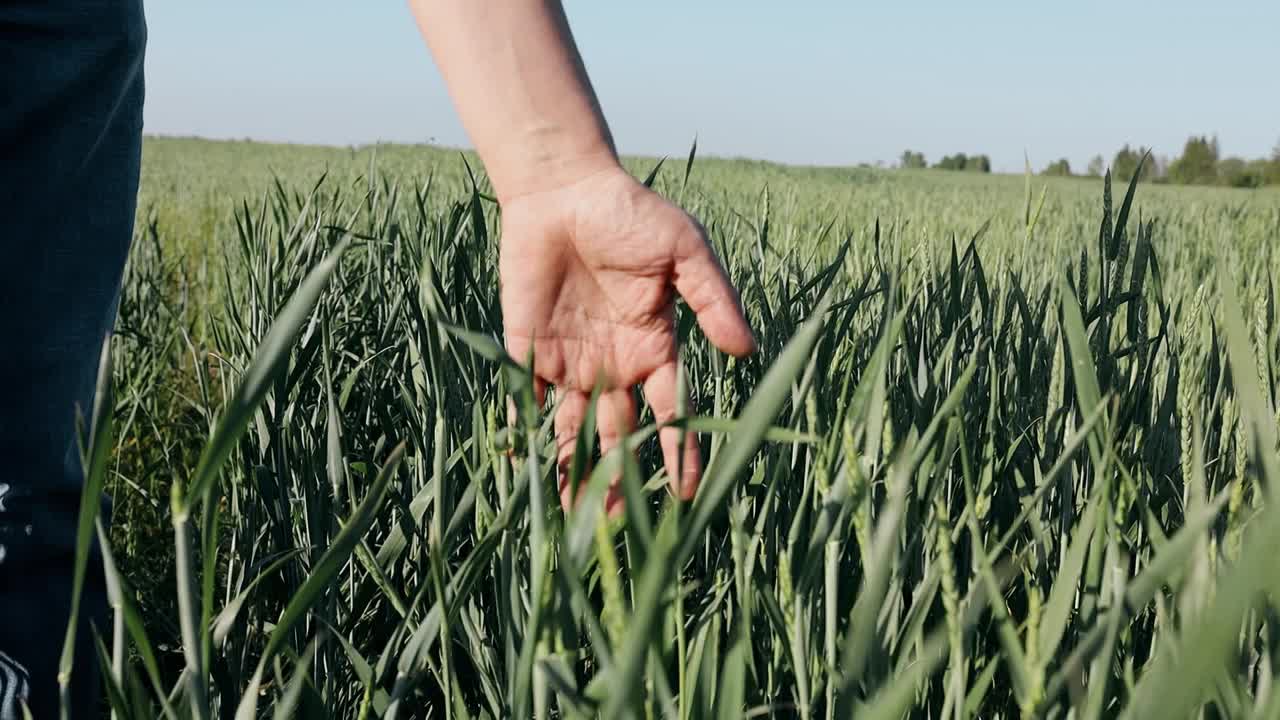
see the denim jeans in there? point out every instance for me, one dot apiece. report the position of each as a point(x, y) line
point(71, 93)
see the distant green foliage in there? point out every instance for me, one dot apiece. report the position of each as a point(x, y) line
point(1058, 168)
point(1239, 173)
point(1201, 164)
point(970, 163)
point(1126, 162)
point(913, 160)
point(1198, 164)
point(978, 163)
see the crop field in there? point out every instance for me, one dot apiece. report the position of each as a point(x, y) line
point(1007, 450)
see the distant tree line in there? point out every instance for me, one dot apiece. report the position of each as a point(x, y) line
point(913, 160)
point(960, 161)
point(1201, 163)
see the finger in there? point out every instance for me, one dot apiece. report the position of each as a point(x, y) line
point(613, 502)
point(702, 282)
point(568, 423)
point(660, 391)
point(519, 349)
point(616, 415)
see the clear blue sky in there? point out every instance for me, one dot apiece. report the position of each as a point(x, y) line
point(802, 82)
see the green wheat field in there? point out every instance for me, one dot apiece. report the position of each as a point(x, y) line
point(1006, 451)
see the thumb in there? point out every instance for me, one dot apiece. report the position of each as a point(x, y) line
point(702, 282)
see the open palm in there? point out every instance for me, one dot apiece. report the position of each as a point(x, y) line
point(589, 275)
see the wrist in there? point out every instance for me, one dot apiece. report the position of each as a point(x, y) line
point(541, 163)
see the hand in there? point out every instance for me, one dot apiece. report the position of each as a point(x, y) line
point(589, 270)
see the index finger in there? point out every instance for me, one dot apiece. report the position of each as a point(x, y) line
point(683, 467)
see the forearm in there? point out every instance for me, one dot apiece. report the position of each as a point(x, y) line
point(520, 87)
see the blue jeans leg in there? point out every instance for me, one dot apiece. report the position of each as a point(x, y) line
point(71, 93)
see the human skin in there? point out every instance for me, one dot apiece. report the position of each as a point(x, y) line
point(590, 260)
